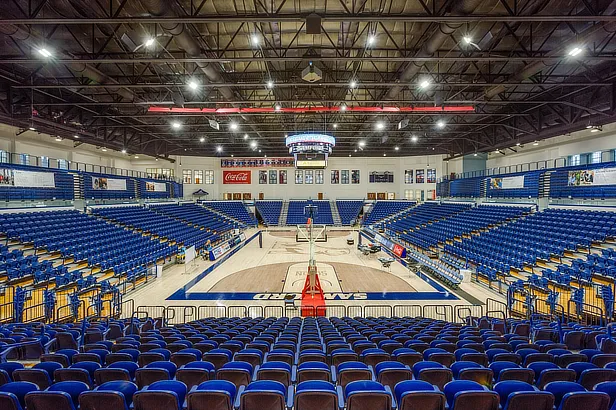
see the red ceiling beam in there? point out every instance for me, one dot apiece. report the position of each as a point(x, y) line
point(295, 110)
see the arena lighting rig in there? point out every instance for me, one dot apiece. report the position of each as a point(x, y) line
point(310, 150)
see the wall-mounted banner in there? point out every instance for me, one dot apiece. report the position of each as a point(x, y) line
point(155, 186)
point(397, 249)
point(256, 162)
point(108, 184)
point(586, 177)
point(236, 177)
point(220, 250)
point(27, 179)
point(507, 182)
point(381, 177)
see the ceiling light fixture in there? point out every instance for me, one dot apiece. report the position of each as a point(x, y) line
point(517, 144)
point(219, 148)
point(440, 124)
point(253, 144)
point(202, 139)
point(362, 144)
point(575, 51)
point(475, 154)
point(259, 151)
point(277, 107)
point(32, 129)
point(76, 136)
point(467, 39)
point(380, 125)
point(353, 84)
point(335, 125)
point(371, 39)
point(193, 85)
point(233, 125)
point(176, 125)
point(343, 107)
point(270, 84)
point(123, 150)
point(397, 148)
point(104, 149)
point(414, 138)
point(536, 143)
point(354, 150)
point(149, 42)
point(58, 138)
point(44, 52)
point(136, 156)
point(384, 154)
point(245, 136)
point(255, 40)
point(425, 83)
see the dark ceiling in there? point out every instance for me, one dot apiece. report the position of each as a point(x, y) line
point(514, 61)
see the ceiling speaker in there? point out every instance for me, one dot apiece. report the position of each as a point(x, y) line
point(313, 24)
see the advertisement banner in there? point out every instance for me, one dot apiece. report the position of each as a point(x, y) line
point(397, 249)
point(236, 177)
point(220, 250)
point(27, 179)
point(108, 184)
point(507, 182)
point(155, 186)
point(586, 177)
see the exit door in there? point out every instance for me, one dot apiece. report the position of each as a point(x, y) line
point(320, 196)
point(261, 196)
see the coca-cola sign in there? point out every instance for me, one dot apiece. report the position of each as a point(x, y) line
point(236, 177)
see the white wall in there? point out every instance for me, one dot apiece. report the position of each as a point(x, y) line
point(559, 147)
point(365, 165)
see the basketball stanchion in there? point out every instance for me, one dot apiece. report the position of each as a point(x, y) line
point(313, 299)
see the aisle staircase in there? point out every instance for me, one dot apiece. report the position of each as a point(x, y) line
point(335, 213)
point(77, 185)
point(544, 185)
point(282, 221)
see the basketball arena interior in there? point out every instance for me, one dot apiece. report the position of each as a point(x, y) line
point(291, 205)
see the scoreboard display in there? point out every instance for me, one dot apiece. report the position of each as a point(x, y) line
point(310, 160)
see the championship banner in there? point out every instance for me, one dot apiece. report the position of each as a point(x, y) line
point(257, 162)
point(507, 182)
point(155, 186)
point(236, 177)
point(108, 184)
point(587, 177)
point(27, 179)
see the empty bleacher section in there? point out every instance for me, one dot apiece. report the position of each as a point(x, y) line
point(528, 186)
point(60, 260)
point(537, 255)
point(573, 182)
point(437, 224)
point(199, 216)
point(567, 183)
point(27, 183)
point(159, 225)
point(297, 216)
point(384, 209)
point(320, 363)
point(269, 211)
point(34, 183)
point(349, 210)
point(152, 189)
point(463, 188)
point(233, 209)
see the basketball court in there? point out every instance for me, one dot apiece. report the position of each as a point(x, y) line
point(254, 276)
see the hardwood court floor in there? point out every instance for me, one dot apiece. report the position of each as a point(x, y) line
point(270, 278)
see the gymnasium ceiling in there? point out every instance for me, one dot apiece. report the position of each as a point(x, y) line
point(96, 70)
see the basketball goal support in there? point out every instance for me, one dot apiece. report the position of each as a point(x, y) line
point(313, 299)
